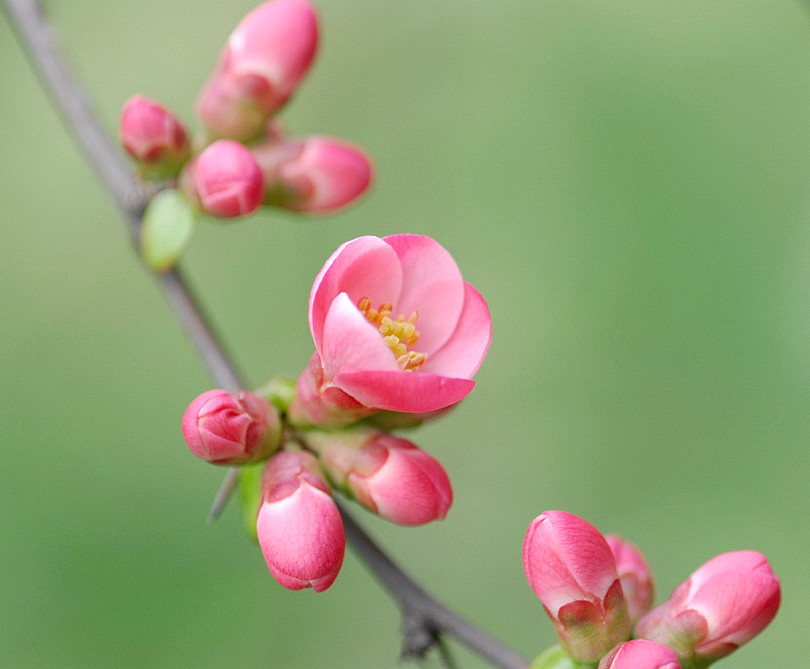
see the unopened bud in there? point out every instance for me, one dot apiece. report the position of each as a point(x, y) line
point(153, 136)
point(226, 429)
point(299, 526)
point(225, 180)
point(634, 574)
point(640, 654)
point(260, 67)
point(571, 569)
point(315, 175)
point(723, 604)
point(389, 476)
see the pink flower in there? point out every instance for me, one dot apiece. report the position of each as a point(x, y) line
point(640, 654)
point(315, 175)
point(389, 476)
point(634, 574)
point(154, 136)
point(299, 526)
point(395, 326)
point(227, 429)
point(570, 567)
point(225, 180)
point(259, 69)
point(724, 604)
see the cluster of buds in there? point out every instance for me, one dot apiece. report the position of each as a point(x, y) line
point(374, 370)
point(598, 593)
point(243, 159)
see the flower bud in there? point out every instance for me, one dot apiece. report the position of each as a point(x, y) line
point(640, 654)
point(315, 175)
point(725, 603)
point(153, 136)
point(328, 408)
point(225, 180)
point(258, 70)
point(387, 475)
point(635, 576)
point(299, 526)
point(571, 569)
point(227, 429)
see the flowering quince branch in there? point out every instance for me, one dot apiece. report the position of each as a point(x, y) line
point(425, 618)
point(398, 335)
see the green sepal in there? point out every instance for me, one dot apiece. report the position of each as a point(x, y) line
point(555, 658)
point(167, 226)
point(279, 391)
point(250, 496)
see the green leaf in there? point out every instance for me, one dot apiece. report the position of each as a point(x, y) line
point(167, 226)
point(555, 658)
point(250, 496)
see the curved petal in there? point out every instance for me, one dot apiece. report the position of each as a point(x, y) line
point(463, 354)
point(432, 286)
point(350, 343)
point(408, 392)
point(733, 561)
point(737, 609)
point(363, 267)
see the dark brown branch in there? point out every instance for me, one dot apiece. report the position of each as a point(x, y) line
point(425, 619)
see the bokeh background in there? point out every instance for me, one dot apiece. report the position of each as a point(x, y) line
point(627, 183)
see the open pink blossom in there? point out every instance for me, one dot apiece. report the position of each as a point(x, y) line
point(395, 325)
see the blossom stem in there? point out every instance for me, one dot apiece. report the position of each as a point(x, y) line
point(426, 618)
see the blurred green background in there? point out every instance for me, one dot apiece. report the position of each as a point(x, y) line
point(626, 182)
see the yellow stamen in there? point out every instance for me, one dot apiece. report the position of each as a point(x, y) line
point(399, 334)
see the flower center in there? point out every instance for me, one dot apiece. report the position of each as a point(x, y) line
point(399, 334)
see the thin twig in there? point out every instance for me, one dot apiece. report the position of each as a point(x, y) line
point(427, 617)
point(413, 599)
point(129, 194)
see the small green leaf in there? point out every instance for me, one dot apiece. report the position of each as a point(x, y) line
point(250, 496)
point(167, 226)
point(555, 658)
point(279, 391)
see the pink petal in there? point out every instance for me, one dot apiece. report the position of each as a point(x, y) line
point(363, 267)
point(350, 343)
point(409, 392)
point(432, 286)
point(734, 561)
point(567, 559)
point(737, 609)
point(463, 354)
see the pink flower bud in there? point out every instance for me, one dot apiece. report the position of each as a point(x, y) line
point(635, 575)
point(395, 325)
point(324, 407)
point(225, 180)
point(153, 136)
point(571, 569)
point(640, 654)
point(227, 429)
point(725, 603)
point(389, 476)
point(258, 70)
point(299, 526)
point(315, 175)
